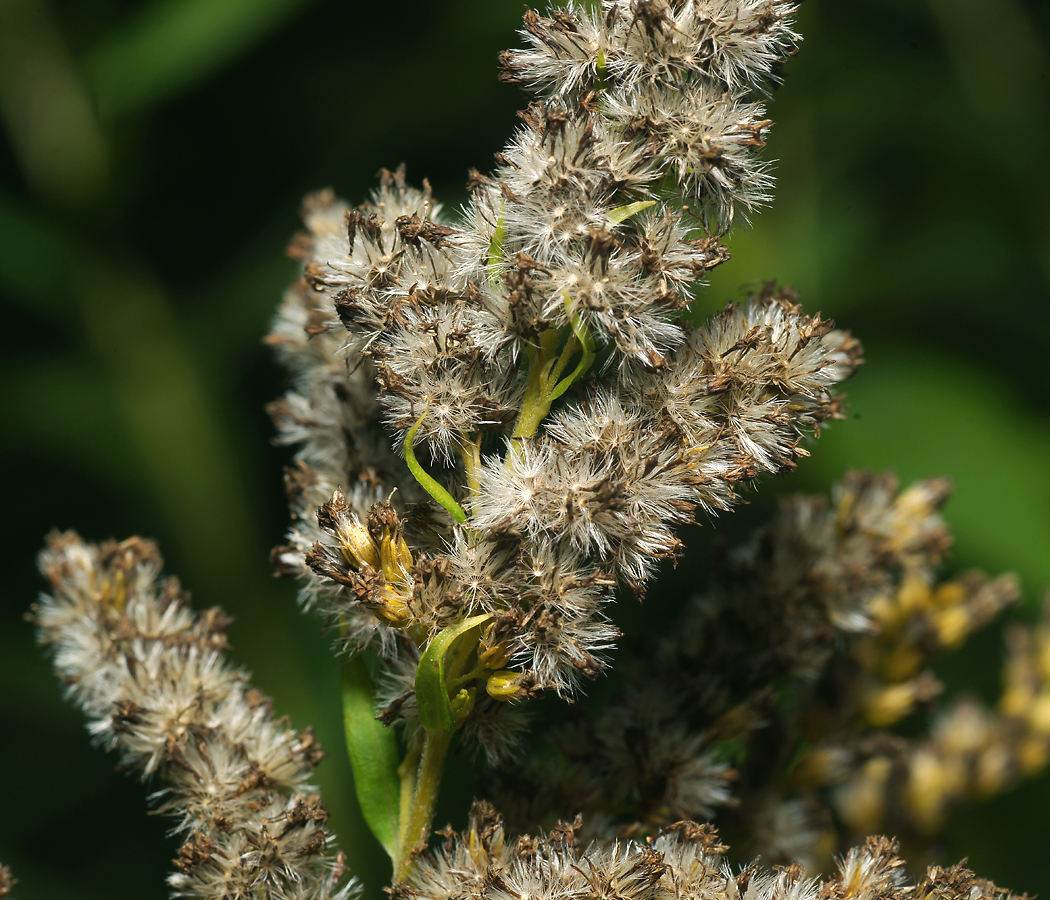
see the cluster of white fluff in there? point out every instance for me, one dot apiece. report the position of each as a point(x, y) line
point(685, 861)
point(534, 357)
point(811, 639)
point(502, 419)
point(152, 677)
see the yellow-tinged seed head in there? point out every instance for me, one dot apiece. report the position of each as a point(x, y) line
point(113, 594)
point(394, 607)
point(1016, 699)
point(949, 594)
point(741, 719)
point(902, 662)
point(884, 611)
point(862, 801)
point(493, 655)
point(993, 768)
point(914, 594)
point(953, 625)
point(818, 768)
point(889, 705)
point(1032, 755)
point(1039, 714)
point(357, 546)
point(928, 787)
point(395, 557)
point(504, 685)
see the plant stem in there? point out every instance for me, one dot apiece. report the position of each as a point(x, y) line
point(470, 452)
point(407, 773)
point(427, 784)
point(544, 374)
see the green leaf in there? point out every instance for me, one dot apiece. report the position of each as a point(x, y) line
point(425, 480)
point(623, 213)
point(435, 706)
point(373, 755)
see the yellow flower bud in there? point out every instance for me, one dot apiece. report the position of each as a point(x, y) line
point(993, 770)
point(913, 595)
point(889, 705)
point(1032, 755)
point(862, 801)
point(503, 685)
point(1039, 714)
point(357, 546)
point(394, 607)
point(929, 786)
point(493, 655)
point(395, 556)
point(462, 704)
point(953, 625)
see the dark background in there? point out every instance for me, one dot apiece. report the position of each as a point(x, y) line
point(153, 156)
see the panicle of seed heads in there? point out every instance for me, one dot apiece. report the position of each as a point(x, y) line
point(151, 675)
point(684, 861)
point(7, 881)
point(534, 355)
point(676, 81)
point(811, 642)
point(971, 753)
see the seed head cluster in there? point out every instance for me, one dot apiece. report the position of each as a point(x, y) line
point(503, 418)
point(684, 860)
point(533, 358)
point(151, 675)
point(771, 705)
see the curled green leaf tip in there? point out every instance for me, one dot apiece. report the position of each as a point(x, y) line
point(424, 478)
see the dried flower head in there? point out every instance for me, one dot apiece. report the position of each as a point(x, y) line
point(502, 418)
point(557, 415)
point(151, 675)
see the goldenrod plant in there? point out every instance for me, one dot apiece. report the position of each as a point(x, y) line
point(506, 420)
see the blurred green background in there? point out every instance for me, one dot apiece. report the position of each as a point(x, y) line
point(153, 156)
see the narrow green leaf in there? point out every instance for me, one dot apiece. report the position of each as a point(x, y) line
point(432, 700)
point(623, 213)
point(425, 480)
point(373, 755)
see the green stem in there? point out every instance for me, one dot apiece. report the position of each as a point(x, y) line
point(531, 412)
point(470, 452)
point(428, 782)
point(472, 675)
point(407, 773)
point(545, 383)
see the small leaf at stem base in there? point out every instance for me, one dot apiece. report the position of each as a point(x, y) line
point(432, 699)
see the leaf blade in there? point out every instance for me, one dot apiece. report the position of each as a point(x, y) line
point(373, 756)
point(432, 700)
point(621, 214)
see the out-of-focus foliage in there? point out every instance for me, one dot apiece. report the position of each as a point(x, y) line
point(153, 157)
